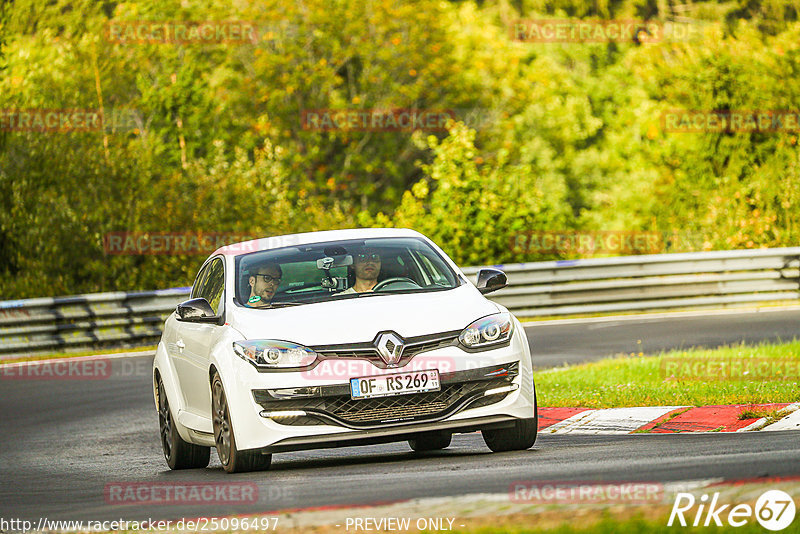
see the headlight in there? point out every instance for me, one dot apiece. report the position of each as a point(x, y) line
point(271, 354)
point(488, 331)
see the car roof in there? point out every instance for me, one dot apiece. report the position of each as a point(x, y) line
point(290, 240)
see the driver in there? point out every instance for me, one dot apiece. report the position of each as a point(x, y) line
point(367, 267)
point(264, 281)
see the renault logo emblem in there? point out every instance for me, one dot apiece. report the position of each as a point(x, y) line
point(390, 348)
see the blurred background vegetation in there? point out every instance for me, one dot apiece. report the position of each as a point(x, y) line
point(569, 136)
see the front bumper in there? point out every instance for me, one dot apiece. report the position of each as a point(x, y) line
point(387, 435)
point(333, 405)
point(277, 412)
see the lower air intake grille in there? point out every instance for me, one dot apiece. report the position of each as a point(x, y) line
point(390, 409)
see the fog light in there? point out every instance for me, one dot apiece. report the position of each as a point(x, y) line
point(282, 414)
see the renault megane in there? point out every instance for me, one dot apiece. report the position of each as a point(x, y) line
point(339, 338)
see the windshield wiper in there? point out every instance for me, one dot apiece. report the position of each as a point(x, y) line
point(285, 304)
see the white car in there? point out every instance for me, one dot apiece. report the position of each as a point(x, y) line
point(286, 345)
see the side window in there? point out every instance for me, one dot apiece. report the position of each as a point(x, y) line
point(435, 273)
point(213, 286)
point(198, 282)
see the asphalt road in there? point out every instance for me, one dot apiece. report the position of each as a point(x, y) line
point(557, 344)
point(64, 442)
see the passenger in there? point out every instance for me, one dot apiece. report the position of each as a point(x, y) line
point(264, 281)
point(367, 267)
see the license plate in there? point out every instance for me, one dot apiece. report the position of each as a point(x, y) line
point(394, 384)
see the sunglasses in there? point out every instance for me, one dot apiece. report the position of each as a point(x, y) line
point(269, 279)
point(368, 257)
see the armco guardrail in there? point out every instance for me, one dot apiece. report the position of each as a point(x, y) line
point(658, 281)
point(100, 319)
point(629, 283)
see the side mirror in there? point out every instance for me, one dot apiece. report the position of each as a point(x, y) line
point(196, 311)
point(491, 280)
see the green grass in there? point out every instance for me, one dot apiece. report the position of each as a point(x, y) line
point(637, 380)
point(770, 415)
point(665, 420)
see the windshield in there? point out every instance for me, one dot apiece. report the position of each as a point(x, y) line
point(340, 270)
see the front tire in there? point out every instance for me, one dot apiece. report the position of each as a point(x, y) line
point(520, 437)
point(430, 441)
point(179, 454)
point(232, 459)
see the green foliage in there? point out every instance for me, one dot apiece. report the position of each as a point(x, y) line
point(738, 189)
point(474, 208)
point(570, 138)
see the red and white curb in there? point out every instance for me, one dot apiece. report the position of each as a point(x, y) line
point(610, 421)
point(666, 419)
point(788, 422)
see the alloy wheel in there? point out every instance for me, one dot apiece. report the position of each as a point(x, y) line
point(222, 427)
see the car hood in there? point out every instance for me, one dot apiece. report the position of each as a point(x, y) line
point(357, 320)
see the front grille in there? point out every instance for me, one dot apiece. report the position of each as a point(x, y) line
point(415, 348)
point(383, 410)
point(404, 407)
point(412, 347)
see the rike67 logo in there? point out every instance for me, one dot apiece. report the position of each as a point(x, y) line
point(774, 510)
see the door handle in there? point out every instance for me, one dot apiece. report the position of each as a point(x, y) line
point(180, 344)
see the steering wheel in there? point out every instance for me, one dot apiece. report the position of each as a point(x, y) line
point(381, 285)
